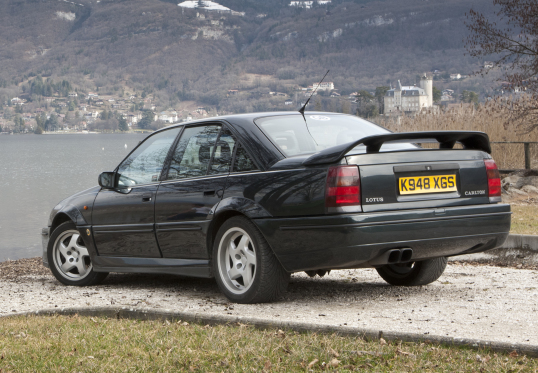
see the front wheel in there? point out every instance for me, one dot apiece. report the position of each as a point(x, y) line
point(69, 259)
point(413, 274)
point(245, 267)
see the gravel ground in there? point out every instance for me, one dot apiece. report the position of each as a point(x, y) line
point(468, 301)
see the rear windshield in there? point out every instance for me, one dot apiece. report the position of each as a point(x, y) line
point(291, 134)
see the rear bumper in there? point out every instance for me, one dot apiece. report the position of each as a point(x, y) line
point(360, 240)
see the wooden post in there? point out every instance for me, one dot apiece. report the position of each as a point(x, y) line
point(527, 156)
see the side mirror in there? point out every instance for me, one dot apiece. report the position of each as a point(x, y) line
point(107, 180)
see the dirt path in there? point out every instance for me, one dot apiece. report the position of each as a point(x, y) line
point(483, 302)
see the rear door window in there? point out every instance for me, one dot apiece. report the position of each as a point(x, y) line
point(192, 155)
point(243, 162)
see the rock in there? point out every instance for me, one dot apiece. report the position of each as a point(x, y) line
point(529, 180)
point(517, 191)
point(529, 189)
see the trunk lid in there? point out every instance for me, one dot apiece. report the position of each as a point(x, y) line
point(421, 178)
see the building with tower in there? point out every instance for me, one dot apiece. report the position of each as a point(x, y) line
point(409, 98)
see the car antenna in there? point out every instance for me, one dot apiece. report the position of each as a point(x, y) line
point(301, 110)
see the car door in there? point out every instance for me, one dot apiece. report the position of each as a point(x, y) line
point(123, 219)
point(194, 185)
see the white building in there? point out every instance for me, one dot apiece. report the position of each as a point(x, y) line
point(168, 116)
point(409, 98)
point(324, 86)
point(455, 76)
point(308, 3)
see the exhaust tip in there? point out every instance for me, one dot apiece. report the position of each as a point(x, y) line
point(394, 256)
point(407, 254)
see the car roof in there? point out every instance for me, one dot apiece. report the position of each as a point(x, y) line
point(247, 117)
point(259, 147)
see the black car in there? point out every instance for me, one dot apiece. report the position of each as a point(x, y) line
point(250, 199)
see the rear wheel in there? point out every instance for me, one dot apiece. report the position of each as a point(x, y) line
point(413, 273)
point(69, 259)
point(245, 267)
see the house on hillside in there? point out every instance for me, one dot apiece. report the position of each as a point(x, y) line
point(335, 94)
point(168, 116)
point(288, 102)
point(324, 86)
point(73, 94)
point(488, 64)
point(455, 76)
point(409, 98)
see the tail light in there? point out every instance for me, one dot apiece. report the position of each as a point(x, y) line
point(343, 189)
point(494, 180)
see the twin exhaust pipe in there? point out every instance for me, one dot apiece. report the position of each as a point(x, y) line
point(393, 256)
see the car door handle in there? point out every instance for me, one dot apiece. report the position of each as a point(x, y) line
point(146, 198)
point(209, 193)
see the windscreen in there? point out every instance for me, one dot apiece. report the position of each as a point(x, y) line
point(291, 134)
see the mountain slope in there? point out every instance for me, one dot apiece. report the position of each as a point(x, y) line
point(179, 53)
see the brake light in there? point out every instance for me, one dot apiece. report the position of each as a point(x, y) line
point(494, 180)
point(343, 189)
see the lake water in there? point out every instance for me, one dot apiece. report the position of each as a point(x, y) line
point(37, 172)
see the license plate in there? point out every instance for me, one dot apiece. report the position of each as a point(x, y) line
point(427, 184)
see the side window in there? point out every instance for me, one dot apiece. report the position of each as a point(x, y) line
point(145, 164)
point(242, 161)
point(193, 152)
point(222, 158)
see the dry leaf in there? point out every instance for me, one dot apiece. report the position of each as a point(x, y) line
point(398, 351)
point(513, 354)
point(382, 341)
point(267, 366)
point(312, 363)
point(335, 354)
point(281, 333)
point(334, 363)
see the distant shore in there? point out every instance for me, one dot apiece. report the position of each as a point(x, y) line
point(79, 133)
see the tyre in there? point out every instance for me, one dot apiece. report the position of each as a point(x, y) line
point(69, 259)
point(244, 265)
point(414, 273)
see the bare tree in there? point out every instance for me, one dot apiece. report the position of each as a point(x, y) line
point(511, 41)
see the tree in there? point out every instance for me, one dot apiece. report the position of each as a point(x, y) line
point(72, 106)
point(122, 124)
point(368, 111)
point(380, 93)
point(510, 42)
point(437, 94)
point(469, 97)
point(52, 123)
point(146, 120)
point(364, 97)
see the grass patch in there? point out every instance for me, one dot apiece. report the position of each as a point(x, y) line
point(86, 344)
point(524, 219)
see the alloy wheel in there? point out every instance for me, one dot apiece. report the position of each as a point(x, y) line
point(237, 260)
point(71, 256)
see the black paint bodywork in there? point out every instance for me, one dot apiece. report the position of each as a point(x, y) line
point(173, 231)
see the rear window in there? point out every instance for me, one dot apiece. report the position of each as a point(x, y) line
point(291, 134)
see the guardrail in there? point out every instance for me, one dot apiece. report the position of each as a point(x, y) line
point(510, 161)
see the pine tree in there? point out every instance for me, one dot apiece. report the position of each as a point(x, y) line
point(122, 124)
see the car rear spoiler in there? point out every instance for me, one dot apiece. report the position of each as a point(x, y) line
point(446, 139)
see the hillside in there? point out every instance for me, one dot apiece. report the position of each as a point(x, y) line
point(181, 54)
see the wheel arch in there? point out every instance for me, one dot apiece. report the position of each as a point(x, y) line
point(68, 213)
point(228, 208)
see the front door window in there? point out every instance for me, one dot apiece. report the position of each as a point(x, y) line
point(145, 164)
